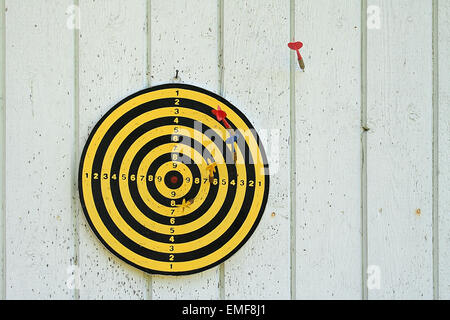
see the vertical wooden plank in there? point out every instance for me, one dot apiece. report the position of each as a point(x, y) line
point(444, 149)
point(256, 80)
point(113, 63)
point(39, 114)
point(328, 150)
point(184, 38)
point(2, 150)
point(188, 43)
point(365, 128)
point(400, 149)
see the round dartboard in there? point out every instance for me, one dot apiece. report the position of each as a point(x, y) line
point(173, 179)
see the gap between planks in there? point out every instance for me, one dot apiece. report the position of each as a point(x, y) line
point(3, 149)
point(435, 156)
point(364, 132)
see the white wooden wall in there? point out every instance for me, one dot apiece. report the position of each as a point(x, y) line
point(359, 204)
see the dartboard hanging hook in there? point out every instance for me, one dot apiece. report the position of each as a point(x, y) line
point(177, 78)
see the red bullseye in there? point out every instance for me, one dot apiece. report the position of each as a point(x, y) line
point(173, 179)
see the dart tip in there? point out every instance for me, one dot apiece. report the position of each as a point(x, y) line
point(301, 63)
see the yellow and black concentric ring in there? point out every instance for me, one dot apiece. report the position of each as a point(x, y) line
point(146, 187)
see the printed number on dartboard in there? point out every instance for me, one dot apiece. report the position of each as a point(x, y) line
point(150, 178)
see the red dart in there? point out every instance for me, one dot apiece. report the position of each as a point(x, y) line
point(221, 116)
point(297, 46)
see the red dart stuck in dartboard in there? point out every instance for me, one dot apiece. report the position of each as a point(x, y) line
point(221, 116)
point(297, 46)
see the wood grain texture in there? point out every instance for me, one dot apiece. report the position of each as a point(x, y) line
point(39, 120)
point(400, 149)
point(328, 151)
point(184, 38)
point(256, 80)
point(112, 64)
point(444, 150)
point(55, 85)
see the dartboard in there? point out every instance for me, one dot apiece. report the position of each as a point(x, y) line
point(173, 179)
